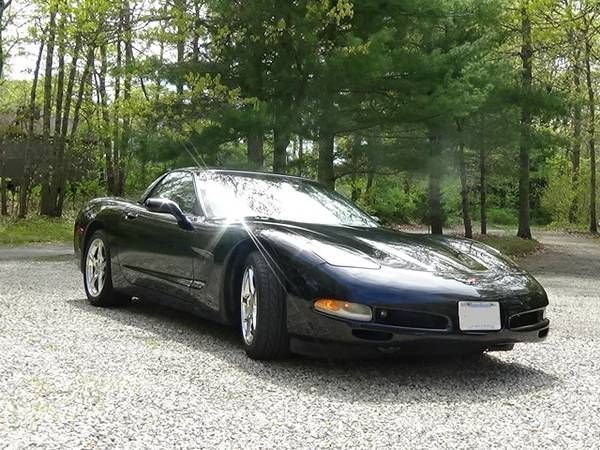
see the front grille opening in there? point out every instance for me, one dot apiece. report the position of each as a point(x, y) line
point(526, 319)
point(371, 335)
point(543, 333)
point(411, 319)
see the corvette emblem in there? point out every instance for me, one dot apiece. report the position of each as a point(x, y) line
point(470, 281)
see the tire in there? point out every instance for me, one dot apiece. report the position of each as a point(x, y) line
point(262, 311)
point(99, 290)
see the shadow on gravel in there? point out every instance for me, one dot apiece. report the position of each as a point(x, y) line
point(399, 379)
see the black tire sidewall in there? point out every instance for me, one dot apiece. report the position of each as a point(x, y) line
point(270, 339)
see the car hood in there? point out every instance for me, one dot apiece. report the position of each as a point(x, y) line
point(461, 260)
point(389, 248)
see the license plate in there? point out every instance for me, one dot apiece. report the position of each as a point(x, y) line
point(479, 316)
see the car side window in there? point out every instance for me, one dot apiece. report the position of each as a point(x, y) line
point(178, 187)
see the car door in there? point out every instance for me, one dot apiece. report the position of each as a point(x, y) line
point(154, 251)
point(210, 238)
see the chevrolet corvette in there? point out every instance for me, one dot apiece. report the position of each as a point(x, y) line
point(297, 267)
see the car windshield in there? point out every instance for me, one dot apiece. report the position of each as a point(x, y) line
point(233, 196)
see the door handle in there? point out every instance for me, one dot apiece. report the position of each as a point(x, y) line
point(130, 215)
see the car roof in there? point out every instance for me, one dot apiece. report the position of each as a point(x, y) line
point(240, 172)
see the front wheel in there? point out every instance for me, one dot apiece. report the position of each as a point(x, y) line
point(262, 311)
point(97, 277)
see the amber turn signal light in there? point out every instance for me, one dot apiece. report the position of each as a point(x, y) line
point(343, 309)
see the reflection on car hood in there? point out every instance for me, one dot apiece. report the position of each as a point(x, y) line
point(442, 255)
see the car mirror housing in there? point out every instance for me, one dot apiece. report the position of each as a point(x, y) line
point(166, 206)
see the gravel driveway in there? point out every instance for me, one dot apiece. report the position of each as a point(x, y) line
point(72, 375)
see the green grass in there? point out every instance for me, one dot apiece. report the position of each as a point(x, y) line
point(35, 229)
point(511, 246)
point(567, 227)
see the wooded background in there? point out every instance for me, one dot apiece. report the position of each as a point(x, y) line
point(430, 112)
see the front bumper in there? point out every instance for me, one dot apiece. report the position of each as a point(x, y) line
point(315, 333)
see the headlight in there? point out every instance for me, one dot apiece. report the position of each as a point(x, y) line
point(346, 310)
point(343, 257)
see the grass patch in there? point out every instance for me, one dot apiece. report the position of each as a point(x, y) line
point(512, 246)
point(568, 227)
point(34, 229)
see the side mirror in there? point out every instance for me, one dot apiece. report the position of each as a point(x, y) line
point(165, 206)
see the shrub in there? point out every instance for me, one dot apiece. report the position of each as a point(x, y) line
point(389, 201)
point(502, 216)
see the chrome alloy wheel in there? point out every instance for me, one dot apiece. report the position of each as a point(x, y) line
point(249, 306)
point(95, 267)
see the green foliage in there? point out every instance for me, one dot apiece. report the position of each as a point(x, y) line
point(391, 201)
point(564, 198)
point(401, 84)
point(502, 216)
point(35, 229)
point(559, 195)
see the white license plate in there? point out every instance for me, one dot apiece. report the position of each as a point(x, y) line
point(479, 316)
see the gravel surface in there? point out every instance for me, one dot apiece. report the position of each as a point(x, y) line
point(72, 375)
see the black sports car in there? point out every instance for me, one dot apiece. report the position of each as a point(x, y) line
point(297, 267)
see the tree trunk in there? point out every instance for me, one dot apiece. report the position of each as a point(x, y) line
point(371, 169)
point(47, 195)
point(576, 149)
point(48, 77)
point(300, 156)
point(370, 180)
point(3, 197)
point(180, 6)
point(482, 190)
point(591, 134)
point(196, 31)
point(3, 187)
point(435, 196)
point(106, 142)
point(59, 179)
point(60, 78)
point(58, 165)
point(89, 61)
point(526, 82)
point(33, 92)
point(326, 173)
point(118, 108)
point(3, 7)
point(356, 168)
point(27, 173)
point(59, 175)
point(281, 140)
point(254, 143)
point(161, 58)
point(64, 129)
point(464, 192)
point(126, 135)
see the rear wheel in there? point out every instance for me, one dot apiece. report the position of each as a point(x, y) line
point(262, 311)
point(97, 277)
